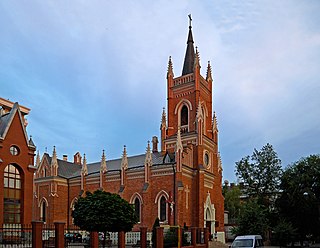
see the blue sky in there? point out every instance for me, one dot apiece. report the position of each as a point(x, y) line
point(94, 72)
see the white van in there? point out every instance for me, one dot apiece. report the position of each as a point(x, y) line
point(247, 241)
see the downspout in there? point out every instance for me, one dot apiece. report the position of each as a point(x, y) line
point(68, 205)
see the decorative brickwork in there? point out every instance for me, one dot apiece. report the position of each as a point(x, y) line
point(181, 184)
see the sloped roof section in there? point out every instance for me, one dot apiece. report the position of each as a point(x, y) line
point(68, 169)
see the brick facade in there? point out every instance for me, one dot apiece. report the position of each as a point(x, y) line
point(16, 150)
point(186, 172)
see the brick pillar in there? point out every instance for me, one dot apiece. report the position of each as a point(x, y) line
point(37, 234)
point(194, 236)
point(94, 240)
point(206, 236)
point(159, 235)
point(59, 234)
point(121, 239)
point(143, 237)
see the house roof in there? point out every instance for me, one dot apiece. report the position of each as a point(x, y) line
point(68, 169)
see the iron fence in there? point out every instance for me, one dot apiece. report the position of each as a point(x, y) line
point(16, 235)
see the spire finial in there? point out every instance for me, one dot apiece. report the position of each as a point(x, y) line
point(209, 73)
point(103, 163)
point(170, 68)
point(190, 20)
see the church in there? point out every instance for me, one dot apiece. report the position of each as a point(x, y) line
point(177, 178)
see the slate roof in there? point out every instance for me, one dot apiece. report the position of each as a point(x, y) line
point(68, 169)
point(4, 122)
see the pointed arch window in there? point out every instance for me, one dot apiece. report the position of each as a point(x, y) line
point(184, 116)
point(163, 209)
point(43, 214)
point(12, 195)
point(137, 208)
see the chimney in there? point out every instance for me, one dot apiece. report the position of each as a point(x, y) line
point(65, 157)
point(155, 144)
point(77, 158)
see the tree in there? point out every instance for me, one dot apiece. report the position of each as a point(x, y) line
point(252, 220)
point(260, 173)
point(102, 211)
point(232, 202)
point(299, 203)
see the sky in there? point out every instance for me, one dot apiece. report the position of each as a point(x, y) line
point(93, 73)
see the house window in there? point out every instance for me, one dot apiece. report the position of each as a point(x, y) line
point(12, 195)
point(137, 208)
point(163, 209)
point(14, 150)
point(184, 116)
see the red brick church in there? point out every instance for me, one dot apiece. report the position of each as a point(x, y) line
point(181, 182)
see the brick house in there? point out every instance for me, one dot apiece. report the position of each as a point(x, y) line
point(16, 165)
point(181, 183)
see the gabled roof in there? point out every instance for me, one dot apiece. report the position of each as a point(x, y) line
point(68, 169)
point(6, 120)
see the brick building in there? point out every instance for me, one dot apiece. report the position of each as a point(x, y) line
point(16, 165)
point(180, 183)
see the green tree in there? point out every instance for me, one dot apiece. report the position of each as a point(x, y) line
point(253, 219)
point(283, 233)
point(102, 211)
point(232, 202)
point(299, 202)
point(260, 173)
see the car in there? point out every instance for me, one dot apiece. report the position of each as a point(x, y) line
point(247, 241)
point(73, 237)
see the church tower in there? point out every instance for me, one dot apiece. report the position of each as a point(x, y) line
point(191, 136)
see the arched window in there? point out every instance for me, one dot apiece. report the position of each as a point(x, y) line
point(137, 208)
point(184, 115)
point(43, 211)
point(12, 195)
point(163, 209)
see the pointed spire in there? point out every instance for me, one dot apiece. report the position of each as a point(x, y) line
point(214, 123)
point(209, 72)
point(148, 160)
point(84, 169)
point(124, 162)
point(189, 57)
point(170, 68)
point(103, 164)
point(197, 59)
point(163, 119)
point(38, 159)
point(54, 160)
point(179, 146)
point(31, 142)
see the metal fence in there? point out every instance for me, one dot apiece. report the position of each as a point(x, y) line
point(16, 235)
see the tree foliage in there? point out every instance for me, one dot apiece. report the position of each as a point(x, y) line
point(103, 211)
point(253, 219)
point(300, 199)
point(232, 202)
point(260, 174)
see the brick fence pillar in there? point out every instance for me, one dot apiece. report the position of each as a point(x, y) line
point(121, 239)
point(194, 236)
point(143, 237)
point(37, 234)
point(59, 234)
point(94, 239)
point(159, 237)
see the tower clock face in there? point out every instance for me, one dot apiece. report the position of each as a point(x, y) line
point(206, 160)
